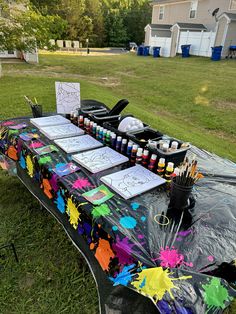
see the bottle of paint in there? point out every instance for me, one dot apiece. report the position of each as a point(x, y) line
point(139, 156)
point(75, 118)
point(118, 143)
point(174, 146)
point(72, 116)
point(123, 146)
point(97, 132)
point(168, 173)
point(94, 129)
point(165, 147)
point(100, 138)
point(133, 154)
point(81, 122)
point(113, 140)
point(91, 127)
point(108, 138)
point(152, 162)
point(129, 148)
point(161, 167)
point(145, 158)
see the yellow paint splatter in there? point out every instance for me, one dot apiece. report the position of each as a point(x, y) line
point(73, 213)
point(155, 282)
point(30, 166)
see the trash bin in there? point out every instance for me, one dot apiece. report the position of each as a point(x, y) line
point(216, 53)
point(146, 50)
point(140, 50)
point(156, 52)
point(185, 51)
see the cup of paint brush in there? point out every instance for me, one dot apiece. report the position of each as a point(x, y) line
point(179, 195)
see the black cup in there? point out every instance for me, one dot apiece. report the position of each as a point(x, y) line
point(179, 195)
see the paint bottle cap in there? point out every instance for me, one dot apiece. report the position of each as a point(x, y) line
point(174, 145)
point(105, 130)
point(81, 117)
point(176, 171)
point(119, 138)
point(101, 129)
point(108, 133)
point(113, 135)
point(140, 151)
point(135, 147)
point(162, 161)
point(145, 152)
point(75, 115)
point(130, 143)
point(154, 157)
point(124, 141)
point(165, 146)
point(94, 124)
point(170, 165)
point(91, 123)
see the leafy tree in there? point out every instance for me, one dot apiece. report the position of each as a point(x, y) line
point(115, 31)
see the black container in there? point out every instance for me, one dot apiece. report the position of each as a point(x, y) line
point(90, 106)
point(176, 156)
point(179, 196)
point(101, 118)
point(142, 136)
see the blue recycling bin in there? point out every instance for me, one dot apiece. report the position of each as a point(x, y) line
point(185, 51)
point(140, 50)
point(216, 53)
point(156, 52)
point(146, 51)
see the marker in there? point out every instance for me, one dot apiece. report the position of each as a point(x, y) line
point(145, 158)
point(152, 162)
point(81, 122)
point(113, 140)
point(161, 167)
point(133, 154)
point(123, 146)
point(139, 156)
point(118, 143)
point(129, 148)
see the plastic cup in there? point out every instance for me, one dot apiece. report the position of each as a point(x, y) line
point(179, 195)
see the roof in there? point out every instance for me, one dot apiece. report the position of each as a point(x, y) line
point(165, 1)
point(160, 26)
point(231, 16)
point(191, 26)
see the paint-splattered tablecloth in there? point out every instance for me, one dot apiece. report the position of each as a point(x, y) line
point(185, 264)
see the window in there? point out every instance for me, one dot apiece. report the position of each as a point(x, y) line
point(161, 12)
point(193, 9)
point(232, 5)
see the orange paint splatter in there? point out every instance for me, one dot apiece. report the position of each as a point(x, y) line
point(47, 188)
point(104, 253)
point(12, 153)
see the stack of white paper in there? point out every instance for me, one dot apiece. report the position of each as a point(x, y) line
point(99, 159)
point(61, 131)
point(78, 143)
point(49, 121)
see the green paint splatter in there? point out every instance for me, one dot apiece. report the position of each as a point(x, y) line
point(101, 211)
point(215, 295)
point(10, 132)
point(44, 160)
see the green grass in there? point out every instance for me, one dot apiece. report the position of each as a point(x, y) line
point(193, 99)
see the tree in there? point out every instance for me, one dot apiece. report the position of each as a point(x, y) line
point(115, 31)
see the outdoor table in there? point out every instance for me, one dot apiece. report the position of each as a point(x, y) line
point(139, 249)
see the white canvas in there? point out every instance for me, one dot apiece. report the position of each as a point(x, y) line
point(78, 143)
point(49, 121)
point(67, 97)
point(61, 131)
point(99, 159)
point(132, 181)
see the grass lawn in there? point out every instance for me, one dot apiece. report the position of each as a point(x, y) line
point(192, 99)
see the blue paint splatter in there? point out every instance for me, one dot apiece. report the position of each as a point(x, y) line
point(22, 161)
point(135, 206)
point(60, 203)
point(114, 228)
point(124, 277)
point(143, 283)
point(143, 218)
point(128, 222)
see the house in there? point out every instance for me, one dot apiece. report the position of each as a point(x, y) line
point(201, 23)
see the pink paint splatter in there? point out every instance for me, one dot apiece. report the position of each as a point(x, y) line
point(210, 258)
point(123, 250)
point(53, 182)
point(36, 144)
point(170, 257)
point(8, 123)
point(140, 236)
point(185, 233)
point(81, 183)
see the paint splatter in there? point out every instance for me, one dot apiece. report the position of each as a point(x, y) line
point(101, 211)
point(170, 257)
point(30, 166)
point(60, 203)
point(73, 213)
point(124, 277)
point(143, 218)
point(9, 123)
point(140, 236)
point(215, 294)
point(12, 153)
point(103, 254)
point(36, 145)
point(44, 160)
point(47, 188)
point(53, 182)
point(22, 161)
point(114, 228)
point(128, 222)
point(210, 258)
point(155, 282)
point(81, 183)
point(185, 233)
point(123, 249)
point(135, 206)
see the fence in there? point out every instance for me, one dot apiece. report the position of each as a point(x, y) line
point(201, 42)
point(164, 43)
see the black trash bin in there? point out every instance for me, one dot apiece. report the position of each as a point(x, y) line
point(185, 51)
point(216, 53)
point(156, 52)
